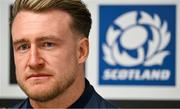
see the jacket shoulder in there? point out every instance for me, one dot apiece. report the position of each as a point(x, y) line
point(97, 101)
point(22, 104)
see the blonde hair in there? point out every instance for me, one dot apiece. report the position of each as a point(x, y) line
point(76, 8)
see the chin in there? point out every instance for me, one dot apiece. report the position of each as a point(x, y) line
point(42, 94)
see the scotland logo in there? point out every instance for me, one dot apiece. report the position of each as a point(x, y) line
point(156, 47)
point(137, 48)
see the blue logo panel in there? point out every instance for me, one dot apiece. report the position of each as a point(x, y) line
point(137, 45)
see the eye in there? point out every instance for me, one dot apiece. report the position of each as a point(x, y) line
point(48, 45)
point(23, 47)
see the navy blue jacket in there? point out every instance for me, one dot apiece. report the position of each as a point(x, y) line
point(89, 99)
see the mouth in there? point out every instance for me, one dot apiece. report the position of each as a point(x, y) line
point(39, 76)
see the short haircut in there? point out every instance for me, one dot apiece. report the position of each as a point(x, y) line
point(81, 17)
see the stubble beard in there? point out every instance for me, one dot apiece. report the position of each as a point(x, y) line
point(56, 89)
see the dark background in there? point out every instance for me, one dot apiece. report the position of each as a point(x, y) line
point(120, 103)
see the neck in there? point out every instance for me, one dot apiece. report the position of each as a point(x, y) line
point(65, 99)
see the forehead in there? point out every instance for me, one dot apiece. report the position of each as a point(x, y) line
point(33, 23)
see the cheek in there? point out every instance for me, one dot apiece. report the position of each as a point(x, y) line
point(19, 74)
point(19, 58)
point(62, 60)
point(20, 64)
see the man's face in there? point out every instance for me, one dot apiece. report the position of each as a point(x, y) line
point(46, 53)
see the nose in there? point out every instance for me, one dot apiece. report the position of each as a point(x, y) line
point(35, 60)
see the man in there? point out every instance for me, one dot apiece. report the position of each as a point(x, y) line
point(50, 40)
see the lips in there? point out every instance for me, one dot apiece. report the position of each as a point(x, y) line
point(38, 76)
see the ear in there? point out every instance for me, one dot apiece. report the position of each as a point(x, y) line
point(83, 50)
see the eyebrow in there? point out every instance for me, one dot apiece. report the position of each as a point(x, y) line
point(42, 38)
point(16, 42)
point(50, 37)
